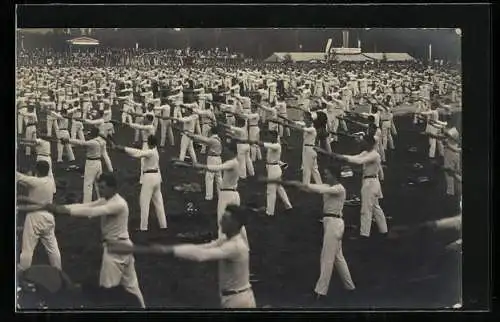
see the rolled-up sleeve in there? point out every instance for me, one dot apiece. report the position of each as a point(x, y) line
point(219, 167)
point(361, 158)
point(201, 254)
point(109, 208)
point(325, 189)
point(136, 153)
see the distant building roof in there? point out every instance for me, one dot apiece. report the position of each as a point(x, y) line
point(84, 41)
point(296, 56)
point(390, 56)
point(320, 56)
point(352, 57)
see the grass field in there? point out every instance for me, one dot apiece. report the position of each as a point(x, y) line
point(285, 248)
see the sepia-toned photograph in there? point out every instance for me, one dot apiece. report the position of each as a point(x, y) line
point(238, 168)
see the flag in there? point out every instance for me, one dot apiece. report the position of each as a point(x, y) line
point(430, 52)
point(136, 45)
point(359, 43)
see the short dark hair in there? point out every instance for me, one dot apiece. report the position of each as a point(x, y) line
point(42, 168)
point(273, 135)
point(238, 213)
point(240, 122)
point(335, 169)
point(109, 179)
point(371, 118)
point(369, 140)
point(231, 145)
point(149, 117)
point(214, 130)
point(152, 140)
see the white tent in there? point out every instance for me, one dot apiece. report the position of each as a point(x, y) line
point(390, 56)
point(83, 41)
point(296, 56)
point(352, 58)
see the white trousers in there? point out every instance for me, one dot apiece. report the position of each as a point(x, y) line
point(30, 130)
point(151, 192)
point(93, 169)
point(205, 127)
point(61, 147)
point(254, 135)
point(274, 172)
point(371, 191)
point(187, 146)
point(137, 133)
point(332, 255)
point(51, 124)
point(310, 165)
point(118, 269)
point(39, 225)
point(77, 131)
point(387, 139)
point(246, 164)
point(20, 124)
point(166, 128)
point(210, 176)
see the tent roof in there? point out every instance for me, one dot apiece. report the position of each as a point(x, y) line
point(296, 56)
point(352, 57)
point(84, 41)
point(390, 56)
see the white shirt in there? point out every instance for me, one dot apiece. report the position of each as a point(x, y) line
point(233, 256)
point(273, 152)
point(189, 122)
point(113, 212)
point(41, 189)
point(150, 157)
point(371, 162)
point(230, 175)
point(309, 135)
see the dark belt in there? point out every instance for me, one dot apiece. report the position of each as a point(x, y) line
point(114, 240)
point(31, 124)
point(370, 177)
point(272, 163)
point(308, 144)
point(42, 155)
point(232, 292)
point(250, 125)
point(231, 189)
point(151, 171)
point(213, 155)
point(99, 158)
point(332, 215)
point(63, 129)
